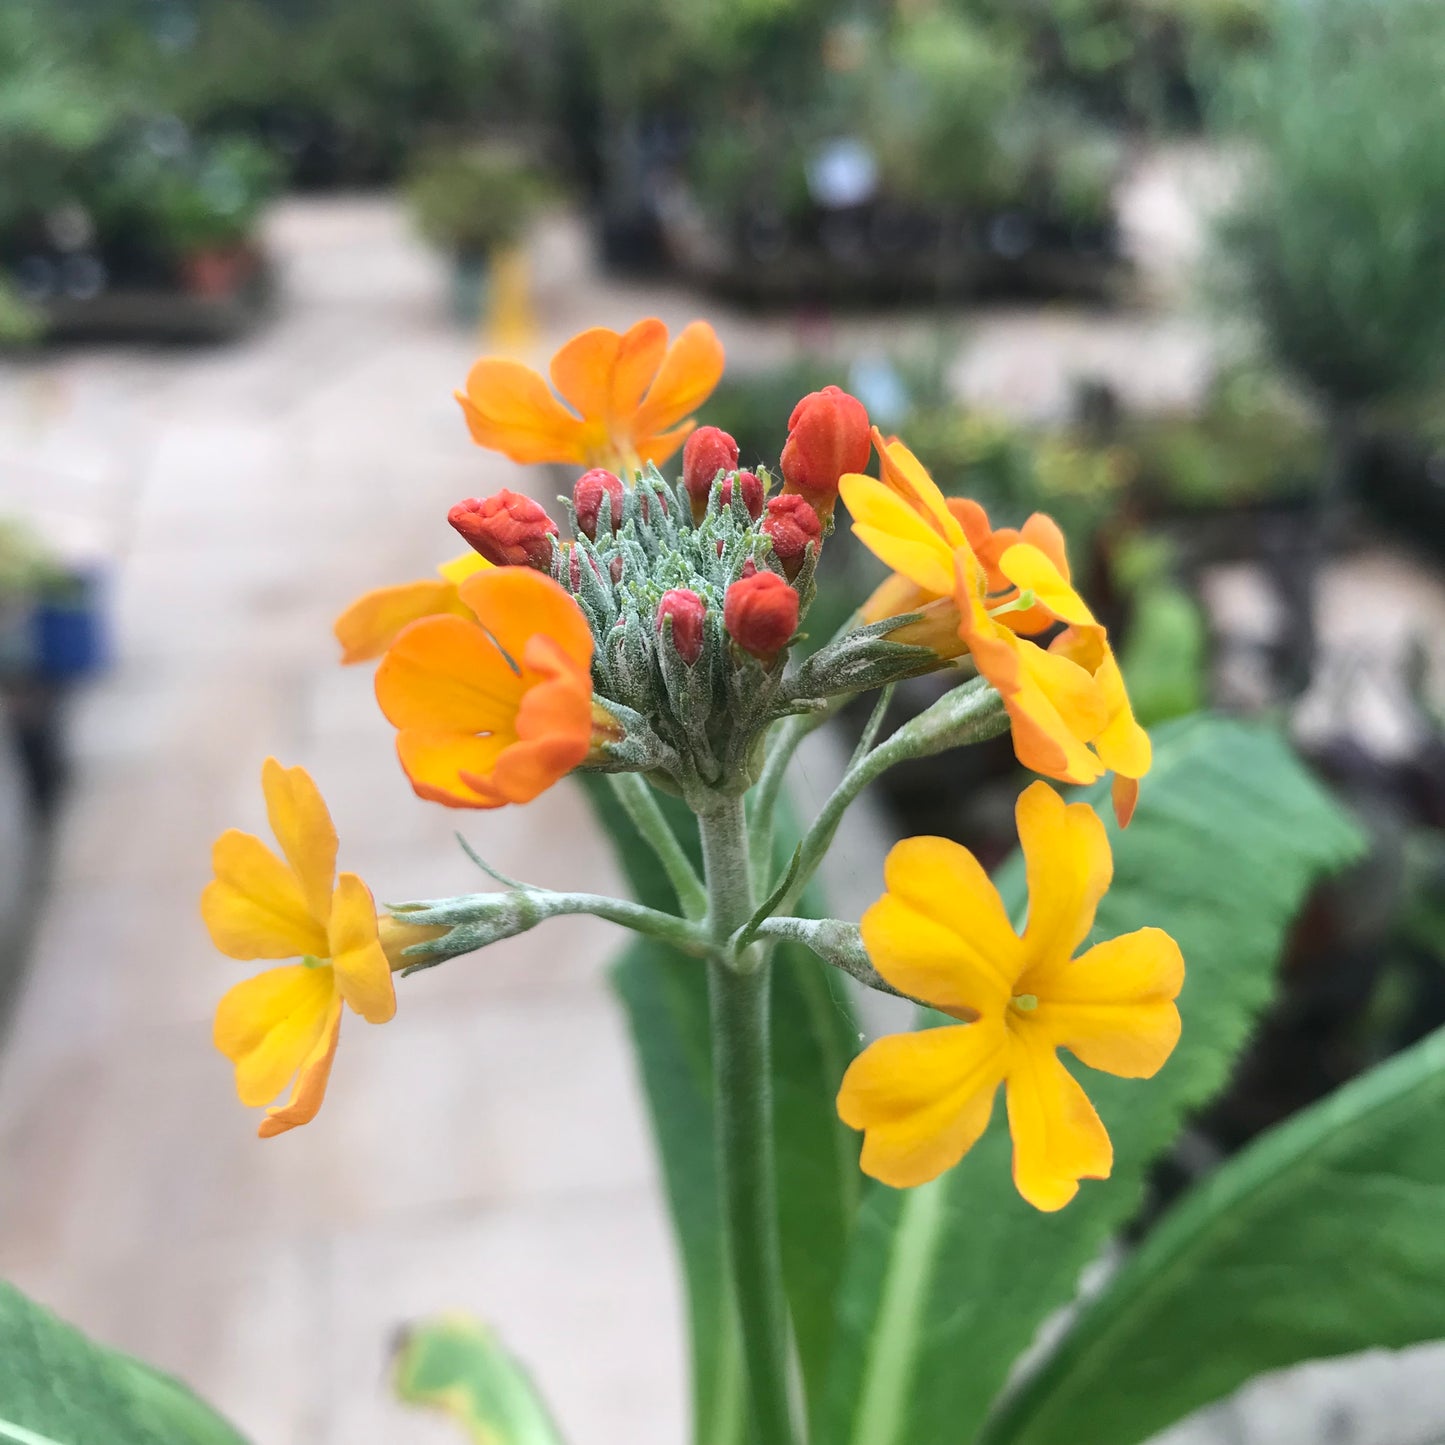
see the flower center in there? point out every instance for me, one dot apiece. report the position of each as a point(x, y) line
point(1025, 1003)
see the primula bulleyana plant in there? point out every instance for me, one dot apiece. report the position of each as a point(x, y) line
point(653, 646)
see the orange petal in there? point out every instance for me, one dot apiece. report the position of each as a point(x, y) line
point(1114, 1006)
point(302, 824)
point(269, 1024)
point(310, 1088)
point(923, 1099)
point(1058, 1138)
point(1126, 798)
point(893, 597)
point(690, 371)
point(658, 447)
point(1043, 532)
point(940, 933)
point(370, 625)
point(363, 974)
point(444, 765)
point(554, 726)
point(254, 908)
point(445, 673)
point(510, 409)
point(1069, 868)
point(582, 372)
point(515, 604)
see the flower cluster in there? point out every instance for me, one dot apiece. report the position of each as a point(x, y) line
point(647, 633)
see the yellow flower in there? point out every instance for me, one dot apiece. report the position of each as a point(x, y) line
point(631, 395)
point(283, 1024)
point(370, 625)
point(940, 934)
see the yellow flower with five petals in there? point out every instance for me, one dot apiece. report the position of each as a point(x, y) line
point(281, 1026)
point(941, 934)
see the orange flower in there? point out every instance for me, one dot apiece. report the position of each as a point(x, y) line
point(1067, 704)
point(630, 394)
point(496, 707)
point(370, 625)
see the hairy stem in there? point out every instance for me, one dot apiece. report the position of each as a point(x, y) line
point(739, 986)
point(641, 806)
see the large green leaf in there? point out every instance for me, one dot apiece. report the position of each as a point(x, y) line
point(59, 1388)
point(459, 1366)
point(1322, 1238)
point(948, 1284)
point(814, 1036)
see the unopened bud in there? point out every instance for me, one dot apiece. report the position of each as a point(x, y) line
point(587, 499)
point(791, 524)
point(709, 450)
point(509, 530)
point(687, 611)
point(752, 492)
point(827, 437)
point(761, 614)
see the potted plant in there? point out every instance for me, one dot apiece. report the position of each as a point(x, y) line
point(473, 202)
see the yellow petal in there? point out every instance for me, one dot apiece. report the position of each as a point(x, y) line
point(363, 975)
point(446, 673)
point(907, 478)
point(310, 1088)
point(510, 409)
point(254, 908)
point(940, 932)
point(370, 625)
point(1069, 867)
point(893, 597)
point(456, 570)
point(923, 1099)
point(515, 604)
point(689, 374)
point(1114, 1006)
point(1029, 569)
point(302, 824)
point(1122, 744)
point(897, 535)
point(1058, 1138)
point(269, 1024)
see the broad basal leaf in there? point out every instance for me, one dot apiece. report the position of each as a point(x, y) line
point(1322, 1238)
point(458, 1366)
point(948, 1284)
point(59, 1388)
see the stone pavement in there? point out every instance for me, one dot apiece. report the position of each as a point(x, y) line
point(487, 1150)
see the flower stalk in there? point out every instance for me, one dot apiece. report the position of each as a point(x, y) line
point(738, 989)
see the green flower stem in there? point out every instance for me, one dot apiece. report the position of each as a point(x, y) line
point(640, 804)
point(968, 714)
point(477, 919)
point(764, 798)
point(739, 987)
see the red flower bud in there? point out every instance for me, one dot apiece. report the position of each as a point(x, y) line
point(827, 436)
point(709, 450)
point(791, 524)
point(687, 611)
point(509, 530)
point(587, 499)
point(761, 613)
point(752, 492)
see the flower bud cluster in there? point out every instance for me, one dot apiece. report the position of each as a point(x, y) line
point(694, 593)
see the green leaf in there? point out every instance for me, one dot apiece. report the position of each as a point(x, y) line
point(457, 1365)
point(1322, 1238)
point(59, 1388)
point(814, 1036)
point(948, 1284)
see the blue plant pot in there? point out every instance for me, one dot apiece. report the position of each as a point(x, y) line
point(70, 639)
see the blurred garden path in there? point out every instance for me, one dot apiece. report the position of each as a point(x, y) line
point(487, 1150)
